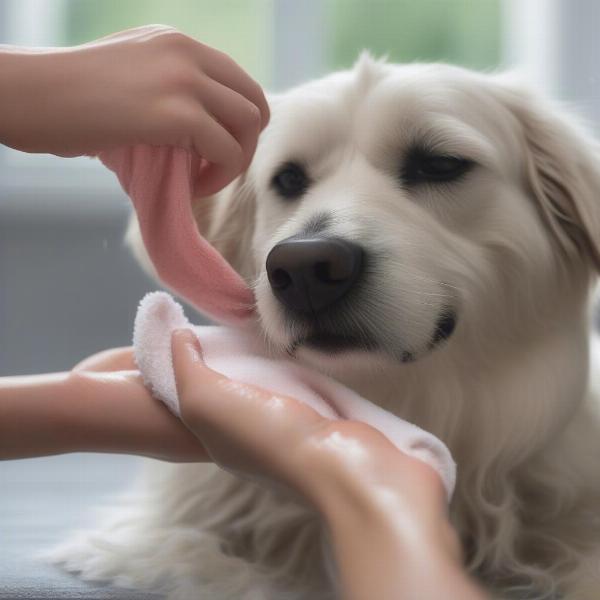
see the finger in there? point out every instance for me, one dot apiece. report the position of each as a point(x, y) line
point(254, 417)
point(222, 152)
point(215, 144)
point(222, 68)
point(237, 114)
point(115, 359)
point(212, 179)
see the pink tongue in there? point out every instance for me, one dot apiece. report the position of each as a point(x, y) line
point(160, 183)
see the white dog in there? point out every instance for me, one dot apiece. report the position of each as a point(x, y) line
point(464, 214)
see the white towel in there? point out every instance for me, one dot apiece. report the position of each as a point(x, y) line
point(239, 354)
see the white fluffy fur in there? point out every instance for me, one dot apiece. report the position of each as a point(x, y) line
point(514, 246)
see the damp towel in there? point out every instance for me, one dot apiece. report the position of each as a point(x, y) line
point(161, 183)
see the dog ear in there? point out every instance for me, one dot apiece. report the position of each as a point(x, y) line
point(563, 173)
point(225, 219)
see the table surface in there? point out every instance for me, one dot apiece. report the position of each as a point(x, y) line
point(41, 500)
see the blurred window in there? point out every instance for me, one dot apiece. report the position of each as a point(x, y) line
point(241, 28)
point(465, 32)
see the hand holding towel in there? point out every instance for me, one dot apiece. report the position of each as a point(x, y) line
point(161, 183)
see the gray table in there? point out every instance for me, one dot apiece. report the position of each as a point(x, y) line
point(41, 500)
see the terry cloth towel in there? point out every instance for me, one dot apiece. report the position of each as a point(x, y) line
point(160, 183)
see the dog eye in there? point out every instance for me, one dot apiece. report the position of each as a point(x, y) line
point(421, 167)
point(291, 181)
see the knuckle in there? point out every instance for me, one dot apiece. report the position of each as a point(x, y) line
point(78, 380)
point(236, 158)
point(252, 115)
point(323, 431)
point(176, 115)
point(332, 438)
point(212, 57)
point(175, 38)
point(223, 58)
point(314, 444)
point(258, 92)
point(158, 29)
point(267, 112)
point(181, 78)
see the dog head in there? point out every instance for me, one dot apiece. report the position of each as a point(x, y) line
point(392, 210)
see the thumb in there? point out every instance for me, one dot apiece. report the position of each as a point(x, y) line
point(231, 417)
point(209, 399)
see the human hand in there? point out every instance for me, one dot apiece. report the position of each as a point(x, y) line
point(122, 415)
point(148, 85)
point(100, 406)
point(385, 511)
point(251, 431)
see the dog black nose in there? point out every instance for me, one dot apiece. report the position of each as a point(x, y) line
point(310, 274)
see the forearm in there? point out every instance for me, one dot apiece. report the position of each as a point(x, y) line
point(88, 412)
point(20, 86)
point(34, 418)
point(379, 547)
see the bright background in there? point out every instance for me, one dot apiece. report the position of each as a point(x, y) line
point(68, 286)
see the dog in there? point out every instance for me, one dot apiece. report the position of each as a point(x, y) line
point(447, 226)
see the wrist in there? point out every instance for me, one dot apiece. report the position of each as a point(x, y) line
point(113, 412)
point(32, 91)
point(100, 420)
point(15, 69)
point(34, 419)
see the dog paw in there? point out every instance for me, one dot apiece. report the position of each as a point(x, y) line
point(93, 557)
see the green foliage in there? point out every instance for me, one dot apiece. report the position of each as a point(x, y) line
point(241, 28)
point(465, 32)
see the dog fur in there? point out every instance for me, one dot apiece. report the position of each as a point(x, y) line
point(512, 247)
